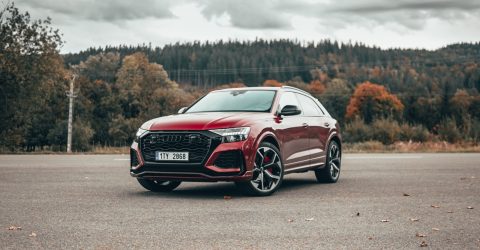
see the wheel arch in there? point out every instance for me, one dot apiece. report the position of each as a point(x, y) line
point(270, 138)
point(336, 138)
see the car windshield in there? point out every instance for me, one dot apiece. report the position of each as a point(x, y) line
point(235, 101)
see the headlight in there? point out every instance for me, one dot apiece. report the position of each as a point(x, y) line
point(139, 133)
point(232, 134)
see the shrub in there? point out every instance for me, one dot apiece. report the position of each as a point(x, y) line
point(416, 133)
point(357, 131)
point(448, 130)
point(386, 131)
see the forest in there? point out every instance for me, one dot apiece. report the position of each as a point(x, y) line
point(383, 95)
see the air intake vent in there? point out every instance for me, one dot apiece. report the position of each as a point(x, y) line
point(133, 158)
point(230, 159)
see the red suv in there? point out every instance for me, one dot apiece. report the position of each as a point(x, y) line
point(251, 136)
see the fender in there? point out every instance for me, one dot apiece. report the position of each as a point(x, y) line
point(332, 134)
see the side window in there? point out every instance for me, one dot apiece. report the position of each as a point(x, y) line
point(288, 98)
point(309, 107)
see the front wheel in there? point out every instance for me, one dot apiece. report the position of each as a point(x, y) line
point(158, 186)
point(267, 172)
point(331, 172)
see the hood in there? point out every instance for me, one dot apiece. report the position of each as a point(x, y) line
point(204, 121)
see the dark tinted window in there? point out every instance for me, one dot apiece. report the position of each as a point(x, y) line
point(235, 101)
point(310, 108)
point(288, 98)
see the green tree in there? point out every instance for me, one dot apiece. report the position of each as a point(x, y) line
point(32, 78)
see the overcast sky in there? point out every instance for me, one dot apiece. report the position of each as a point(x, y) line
point(386, 23)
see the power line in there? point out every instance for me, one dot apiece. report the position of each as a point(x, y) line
point(303, 68)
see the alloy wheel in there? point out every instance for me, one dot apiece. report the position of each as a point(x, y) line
point(267, 170)
point(334, 161)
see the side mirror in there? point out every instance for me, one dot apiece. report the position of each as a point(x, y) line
point(182, 110)
point(290, 110)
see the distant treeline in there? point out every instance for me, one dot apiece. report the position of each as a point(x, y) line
point(377, 94)
point(208, 64)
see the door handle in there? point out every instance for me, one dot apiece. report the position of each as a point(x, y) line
point(305, 125)
point(327, 124)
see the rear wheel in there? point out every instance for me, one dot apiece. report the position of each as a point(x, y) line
point(331, 172)
point(158, 186)
point(267, 172)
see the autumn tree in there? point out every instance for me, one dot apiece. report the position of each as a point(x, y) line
point(370, 101)
point(316, 87)
point(32, 79)
point(144, 92)
point(335, 98)
point(272, 83)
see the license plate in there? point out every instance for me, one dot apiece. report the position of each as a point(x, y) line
point(171, 156)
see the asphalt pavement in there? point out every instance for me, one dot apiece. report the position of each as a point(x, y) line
point(382, 201)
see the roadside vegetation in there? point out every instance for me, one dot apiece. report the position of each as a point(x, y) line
point(386, 100)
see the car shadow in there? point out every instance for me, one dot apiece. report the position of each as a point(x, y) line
point(227, 190)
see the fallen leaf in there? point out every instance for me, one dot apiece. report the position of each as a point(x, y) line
point(435, 229)
point(14, 228)
point(385, 220)
point(358, 213)
point(227, 197)
point(420, 235)
point(423, 244)
point(414, 219)
point(434, 206)
point(33, 234)
point(469, 207)
point(310, 219)
point(405, 194)
point(290, 220)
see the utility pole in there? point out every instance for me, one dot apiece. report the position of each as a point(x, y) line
point(71, 95)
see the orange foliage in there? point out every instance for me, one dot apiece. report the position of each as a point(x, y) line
point(272, 83)
point(372, 100)
point(316, 87)
point(230, 85)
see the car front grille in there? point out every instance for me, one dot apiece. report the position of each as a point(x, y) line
point(196, 144)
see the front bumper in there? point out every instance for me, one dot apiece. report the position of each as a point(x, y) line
point(207, 170)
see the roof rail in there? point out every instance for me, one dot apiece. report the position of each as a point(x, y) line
point(297, 89)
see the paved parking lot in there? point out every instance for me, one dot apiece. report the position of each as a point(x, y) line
point(381, 201)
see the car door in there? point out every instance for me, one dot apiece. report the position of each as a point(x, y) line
point(318, 129)
point(293, 134)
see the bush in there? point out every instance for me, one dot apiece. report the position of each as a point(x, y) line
point(357, 131)
point(386, 131)
point(475, 131)
point(448, 130)
point(82, 133)
point(416, 133)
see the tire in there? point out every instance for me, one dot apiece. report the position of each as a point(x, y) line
point(267, 172)
point(158, 186)
point(331, 170)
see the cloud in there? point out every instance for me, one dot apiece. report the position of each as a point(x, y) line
point(247, 14)
point(386, 23)
point(411, 14)
point(103, 10)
